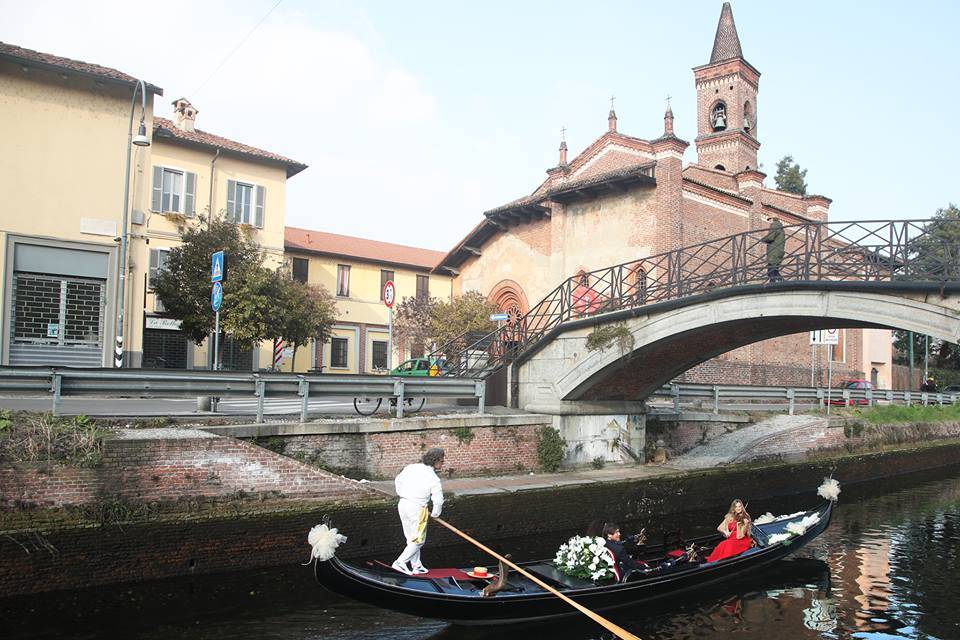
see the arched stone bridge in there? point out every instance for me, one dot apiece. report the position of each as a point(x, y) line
point(690, 304)
point(561, 376)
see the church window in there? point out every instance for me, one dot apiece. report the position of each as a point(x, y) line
point(747, 116)
point(718, 116)
point(720, 167)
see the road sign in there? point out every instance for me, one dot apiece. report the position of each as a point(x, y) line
point(389, 294)
point(825, 336)
point(216, 296)
point(499, 317)
point(216, 266)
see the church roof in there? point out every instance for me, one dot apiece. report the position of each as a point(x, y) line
point(726, 44)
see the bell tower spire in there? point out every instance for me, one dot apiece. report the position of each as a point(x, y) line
point(727, 103)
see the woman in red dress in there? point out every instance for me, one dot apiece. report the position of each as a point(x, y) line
point(736, 528)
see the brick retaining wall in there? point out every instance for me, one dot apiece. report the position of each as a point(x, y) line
point(50, 558)
point(175, 464)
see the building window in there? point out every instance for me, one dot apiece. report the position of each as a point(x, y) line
point(343, 280)
point(245, 203)
point(385, 277)
point(338, 352)
point(174, 191)
point(379, 354)
point(158, 262)
point(423, 287)
point(301, 269)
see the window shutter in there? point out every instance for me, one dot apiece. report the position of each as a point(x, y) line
point(231, 200)
point(189, 194)
point(258, 212)
point(157, 188)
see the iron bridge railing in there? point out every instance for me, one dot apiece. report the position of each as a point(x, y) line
point(867, 251)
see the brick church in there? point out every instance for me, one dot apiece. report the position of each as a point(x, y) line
point(625, 197)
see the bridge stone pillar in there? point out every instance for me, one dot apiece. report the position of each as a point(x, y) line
point(614, 430)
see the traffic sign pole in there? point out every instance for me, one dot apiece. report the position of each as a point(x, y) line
point(389, 295)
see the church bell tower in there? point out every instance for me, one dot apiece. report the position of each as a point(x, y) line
point(727, 103)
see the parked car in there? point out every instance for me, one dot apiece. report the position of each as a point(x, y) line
point(419, 367)
point(836, 397)
point(952, 389)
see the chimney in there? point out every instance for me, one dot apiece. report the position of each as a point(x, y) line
point(563, 152)
point(185, 114)
point(612, 121)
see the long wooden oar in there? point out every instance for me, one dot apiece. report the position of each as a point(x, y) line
point(620, 632)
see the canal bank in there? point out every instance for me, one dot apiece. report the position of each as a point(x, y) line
point(47, 550)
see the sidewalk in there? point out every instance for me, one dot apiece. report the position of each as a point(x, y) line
point(730, 448)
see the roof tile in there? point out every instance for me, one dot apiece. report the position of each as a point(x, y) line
point(12, 51)
point(360, 248)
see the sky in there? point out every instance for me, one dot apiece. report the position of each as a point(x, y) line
point(416, 117)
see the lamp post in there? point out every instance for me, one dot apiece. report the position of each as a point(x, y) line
point(139, 140)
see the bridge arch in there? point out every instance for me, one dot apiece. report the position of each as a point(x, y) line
point(669, 338)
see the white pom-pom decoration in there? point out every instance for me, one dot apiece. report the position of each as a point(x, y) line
point(829, 490)
point(765, 518)
point(324, 541)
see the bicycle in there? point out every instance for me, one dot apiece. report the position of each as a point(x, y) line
point(367, 406)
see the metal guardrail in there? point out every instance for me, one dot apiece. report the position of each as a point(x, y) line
point(790, 397)
point(148, 383)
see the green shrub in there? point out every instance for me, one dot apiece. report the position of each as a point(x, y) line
point(602, 337)
point(36, 437)
point(277, 444)
point(598, 462)
point(464, 435)
point(551, 448)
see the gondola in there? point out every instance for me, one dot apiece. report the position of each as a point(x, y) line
point(453, 596)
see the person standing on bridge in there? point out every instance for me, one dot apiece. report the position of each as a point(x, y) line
point(776, 241)
point(417, 485)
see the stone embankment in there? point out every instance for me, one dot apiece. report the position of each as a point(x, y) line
point(166, 503)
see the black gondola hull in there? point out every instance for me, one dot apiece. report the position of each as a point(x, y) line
point(467, 607)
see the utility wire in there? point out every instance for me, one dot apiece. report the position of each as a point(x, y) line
point(236, 48)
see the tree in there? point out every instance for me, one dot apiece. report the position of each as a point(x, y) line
point(413, 321)
point(934, 255)
point(258, 303)
point(790, 177)
point(308, 314)
point(469, 312)
point(429, 322)
point(183, 285)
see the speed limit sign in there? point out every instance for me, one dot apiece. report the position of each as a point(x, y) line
point(389, 294)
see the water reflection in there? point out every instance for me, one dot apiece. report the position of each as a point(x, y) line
point(888, 567)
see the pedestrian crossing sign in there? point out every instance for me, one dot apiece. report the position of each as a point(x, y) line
point(216, 267)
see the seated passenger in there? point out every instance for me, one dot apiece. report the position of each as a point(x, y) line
point(625, 562)
point(736, 528)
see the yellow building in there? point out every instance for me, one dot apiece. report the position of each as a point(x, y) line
point(354, 270)
point(64, 131)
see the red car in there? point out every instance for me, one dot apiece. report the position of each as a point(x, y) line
point(836, 396)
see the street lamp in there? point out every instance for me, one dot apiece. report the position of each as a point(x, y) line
point(140, 140)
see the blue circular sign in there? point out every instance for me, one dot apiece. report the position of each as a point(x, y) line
point(216, 296)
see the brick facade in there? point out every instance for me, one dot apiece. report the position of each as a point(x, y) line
point(687, 205)
point(165, 469)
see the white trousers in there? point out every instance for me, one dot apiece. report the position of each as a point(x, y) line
point(409, 518)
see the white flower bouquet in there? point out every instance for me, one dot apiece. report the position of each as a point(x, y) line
point(585, 557)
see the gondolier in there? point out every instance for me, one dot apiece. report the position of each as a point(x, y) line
point(417, 485)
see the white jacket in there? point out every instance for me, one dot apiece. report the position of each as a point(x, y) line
point(419, 484)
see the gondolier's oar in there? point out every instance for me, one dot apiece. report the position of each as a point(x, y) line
point(620, 632)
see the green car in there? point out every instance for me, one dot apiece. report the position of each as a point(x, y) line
point(419, 367)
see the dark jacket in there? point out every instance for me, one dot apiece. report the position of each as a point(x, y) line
point(776, 241)
point(624, 562)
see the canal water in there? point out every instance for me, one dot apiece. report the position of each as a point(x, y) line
point(888, 567)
